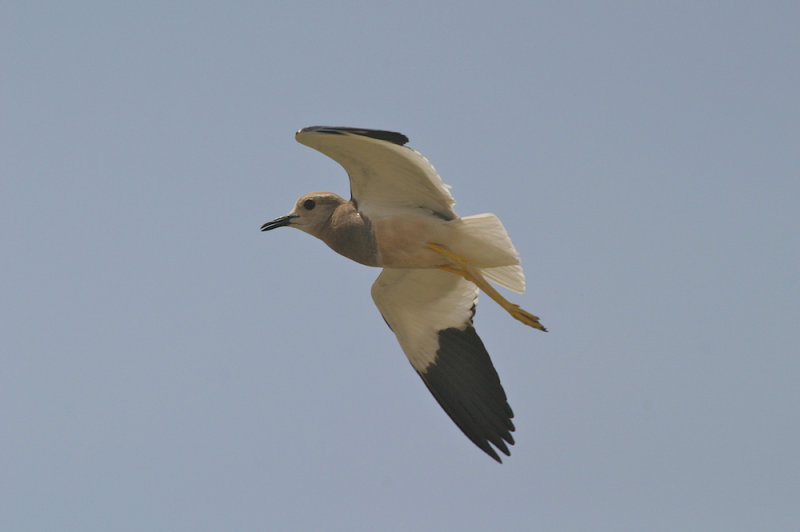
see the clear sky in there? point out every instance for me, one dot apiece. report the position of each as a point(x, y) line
point(166, 366)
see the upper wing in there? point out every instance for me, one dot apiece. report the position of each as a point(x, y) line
point(431, 312)
point(384, 173)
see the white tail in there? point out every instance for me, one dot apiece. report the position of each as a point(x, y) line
point(483, 241)
point(510, 277)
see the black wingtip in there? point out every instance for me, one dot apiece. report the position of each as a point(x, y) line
point(465, 384)
point(389, 136)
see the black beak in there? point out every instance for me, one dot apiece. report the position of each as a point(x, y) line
point(278, 222)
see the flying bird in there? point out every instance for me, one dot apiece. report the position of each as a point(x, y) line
point(400, 218)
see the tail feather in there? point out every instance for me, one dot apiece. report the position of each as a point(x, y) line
point(483, 241)
point(510, 277)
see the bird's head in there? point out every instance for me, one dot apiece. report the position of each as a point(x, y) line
point(311, 213)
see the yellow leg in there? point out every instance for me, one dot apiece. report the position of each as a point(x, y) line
point(471, 273)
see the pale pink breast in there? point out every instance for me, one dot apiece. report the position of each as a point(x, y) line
point(401, 241)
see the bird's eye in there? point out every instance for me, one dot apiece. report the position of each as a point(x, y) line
point(308, 204)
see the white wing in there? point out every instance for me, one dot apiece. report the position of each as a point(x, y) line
point(430, 312)
point(384, 173)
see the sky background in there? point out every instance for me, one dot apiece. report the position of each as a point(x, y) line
point(166, 366)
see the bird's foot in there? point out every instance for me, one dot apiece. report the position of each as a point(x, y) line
point(525, 317)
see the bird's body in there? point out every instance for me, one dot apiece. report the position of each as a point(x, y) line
point(399, 239)
point(400, 218)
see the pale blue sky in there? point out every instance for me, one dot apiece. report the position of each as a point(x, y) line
point(166, 366)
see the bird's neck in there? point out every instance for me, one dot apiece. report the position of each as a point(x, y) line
point(349, 233)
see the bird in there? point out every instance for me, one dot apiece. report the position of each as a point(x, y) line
point(400, 218)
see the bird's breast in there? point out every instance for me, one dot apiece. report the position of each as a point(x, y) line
point(401, 241)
